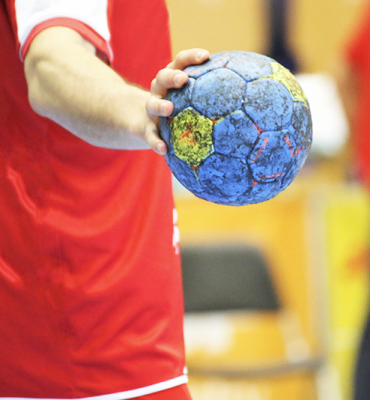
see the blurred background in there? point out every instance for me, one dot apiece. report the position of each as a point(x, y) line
point(276, 294)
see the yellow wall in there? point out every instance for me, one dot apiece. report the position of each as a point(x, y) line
point(318, 28)
point(217, 25)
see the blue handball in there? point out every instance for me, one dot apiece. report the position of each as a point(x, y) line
point(240, 130)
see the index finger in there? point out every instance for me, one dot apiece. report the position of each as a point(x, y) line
point(188, 57)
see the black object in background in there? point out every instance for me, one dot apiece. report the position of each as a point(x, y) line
point(279, 49)
point(227, 278)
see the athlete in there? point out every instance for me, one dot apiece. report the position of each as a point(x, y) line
point(355, 84)
point(357, 100)
point(90, 277)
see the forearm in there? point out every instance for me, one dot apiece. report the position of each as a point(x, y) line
point(70, 85)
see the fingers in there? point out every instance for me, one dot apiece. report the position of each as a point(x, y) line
point(153, 139)
point(189, 57)
point(168, 78)
point(156, 107)
point(173, 76)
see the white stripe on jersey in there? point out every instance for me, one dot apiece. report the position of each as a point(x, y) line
point(131, 394)
point(30, 13)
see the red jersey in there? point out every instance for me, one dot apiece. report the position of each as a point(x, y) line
point(90, 279)
point(359, 59)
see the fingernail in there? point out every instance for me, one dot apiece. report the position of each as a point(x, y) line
point(161, 149)
point(178, 79)
point(201, 54)
point(163, 109)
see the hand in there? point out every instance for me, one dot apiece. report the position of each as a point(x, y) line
point(170, 77)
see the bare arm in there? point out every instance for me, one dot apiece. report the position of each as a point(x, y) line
point(70, 85)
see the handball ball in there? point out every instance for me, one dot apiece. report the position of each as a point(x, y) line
point(240, 130)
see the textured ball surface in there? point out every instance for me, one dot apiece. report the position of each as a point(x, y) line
point(240, 130)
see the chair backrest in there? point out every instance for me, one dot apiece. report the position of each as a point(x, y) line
point(227, 277)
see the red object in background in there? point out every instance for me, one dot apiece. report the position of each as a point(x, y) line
point(358, 56)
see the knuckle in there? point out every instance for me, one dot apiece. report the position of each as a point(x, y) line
point(148, 104)
point(158, 108)
point(182, 54)
point(148, 132)
point(165, 78)
point(151, 107)
point(153, 83)
point(161, 74)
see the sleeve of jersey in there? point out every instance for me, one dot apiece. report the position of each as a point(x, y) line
point(88, 17)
